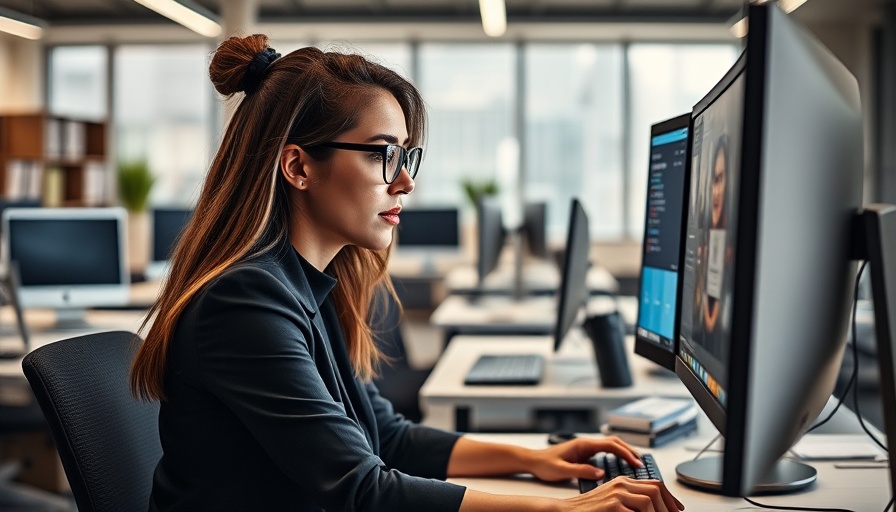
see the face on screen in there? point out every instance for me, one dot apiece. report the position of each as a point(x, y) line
point(710, 243)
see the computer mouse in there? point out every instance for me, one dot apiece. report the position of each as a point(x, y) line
point(560, 437)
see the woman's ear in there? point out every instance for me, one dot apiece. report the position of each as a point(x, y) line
point(293, 166)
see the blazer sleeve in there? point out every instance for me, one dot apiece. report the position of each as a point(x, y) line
point(253, 338)
point(407, 446)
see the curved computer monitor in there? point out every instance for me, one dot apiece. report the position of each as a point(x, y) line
point(656, 332)
point(573, 291)
point(167, 225)
point(490, 237)
point(776, 178)
point(68, 259)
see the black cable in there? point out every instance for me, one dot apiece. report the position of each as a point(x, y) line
point(890, 504)
point(779, 507)
point(851, 384)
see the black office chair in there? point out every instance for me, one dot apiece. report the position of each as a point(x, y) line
point(108, 441)
point(397, 381)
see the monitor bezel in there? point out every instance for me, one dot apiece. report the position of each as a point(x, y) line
point(643, 346)
point(566, 316)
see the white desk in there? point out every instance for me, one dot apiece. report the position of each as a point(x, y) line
point(854, 489)
point(14, 389)
point(539, 277)
point(570, 382)
point(500, 314)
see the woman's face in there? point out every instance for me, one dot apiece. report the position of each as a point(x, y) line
point(345, 200)
point(719, 175)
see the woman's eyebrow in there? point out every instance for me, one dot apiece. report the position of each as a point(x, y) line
point(391, 139)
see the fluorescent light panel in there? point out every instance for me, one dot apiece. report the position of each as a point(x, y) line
point(740, 27)
point(182, 14)
point(18, 24)
point(494, 17)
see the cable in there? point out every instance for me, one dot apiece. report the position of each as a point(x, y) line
point(851, 384)
point(890, 504)
point(779, 507)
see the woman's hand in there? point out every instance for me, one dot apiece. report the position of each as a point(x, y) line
point(625, 494)
point(570, 459)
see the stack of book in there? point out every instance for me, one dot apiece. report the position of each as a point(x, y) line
point(652, 422)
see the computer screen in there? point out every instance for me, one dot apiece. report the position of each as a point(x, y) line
point(573, 291)
point(167, 225)
point(776, 178)
point(490, 237)
point(535, 228)
point(655, 333)
point(429, 228)
point(68, 258)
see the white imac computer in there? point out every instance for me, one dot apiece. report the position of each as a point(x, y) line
point(68, 259)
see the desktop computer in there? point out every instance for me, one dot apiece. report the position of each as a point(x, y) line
point(526, 369)
point(776, 179)
point(656, 332)
point(68, 259)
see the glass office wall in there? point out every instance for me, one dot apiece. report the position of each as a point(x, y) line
point(78, 81)
point(164, 113)
point(573, 133)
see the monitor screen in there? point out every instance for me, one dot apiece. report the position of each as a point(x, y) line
point(655, 333)
point(573, 291)
point(429, 228)
point(167, 225)
point(776, 180)
point(535, 228)
point(490, 237)
point(68, 258)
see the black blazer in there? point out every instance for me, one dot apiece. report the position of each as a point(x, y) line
point(263, 412)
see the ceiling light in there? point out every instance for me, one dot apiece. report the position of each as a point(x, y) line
point(21, 25)
point(189, 17)
point(494, 17)
point(739, 25)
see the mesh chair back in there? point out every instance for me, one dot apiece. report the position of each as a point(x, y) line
point(108, 441)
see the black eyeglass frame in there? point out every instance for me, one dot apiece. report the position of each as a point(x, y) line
point(404, 156)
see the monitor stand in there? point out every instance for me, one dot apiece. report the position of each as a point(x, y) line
point(785, 476)
point(70, 319)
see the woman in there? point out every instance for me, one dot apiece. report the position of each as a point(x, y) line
point(717, 257)
point(259, 350)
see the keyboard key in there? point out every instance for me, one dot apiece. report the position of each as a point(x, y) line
point(614, 466)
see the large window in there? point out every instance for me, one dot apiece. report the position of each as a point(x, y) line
point(470, 90)
point(164, 111)
point(666, 80)
point(573, 133)
point(77, 81)
point(568, 119)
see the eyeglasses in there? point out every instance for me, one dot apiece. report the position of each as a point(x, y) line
point(393, 156)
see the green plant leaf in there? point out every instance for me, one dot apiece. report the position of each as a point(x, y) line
point(135, 182)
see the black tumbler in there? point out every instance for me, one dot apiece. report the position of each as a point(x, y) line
point(607, 333)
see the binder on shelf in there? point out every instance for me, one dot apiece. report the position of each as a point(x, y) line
point(651, 414)
point(94, 183)
point(75, 140)
point(53, 138)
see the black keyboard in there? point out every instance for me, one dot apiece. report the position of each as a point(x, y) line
point(506, 370)
point(614, 466)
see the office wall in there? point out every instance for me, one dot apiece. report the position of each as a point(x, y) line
point(22, 71)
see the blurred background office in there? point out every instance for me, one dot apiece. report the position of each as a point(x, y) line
point(108, 103)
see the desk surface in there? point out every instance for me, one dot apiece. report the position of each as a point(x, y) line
point(570, 379)
point(853, 489)
point(505, 315)
point(538, 277)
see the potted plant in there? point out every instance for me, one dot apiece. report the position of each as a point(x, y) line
point(135, 181)
point(475, 189)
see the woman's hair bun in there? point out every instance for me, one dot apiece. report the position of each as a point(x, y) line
point(239, 63)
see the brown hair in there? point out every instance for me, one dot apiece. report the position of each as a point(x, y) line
point(306, 97)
